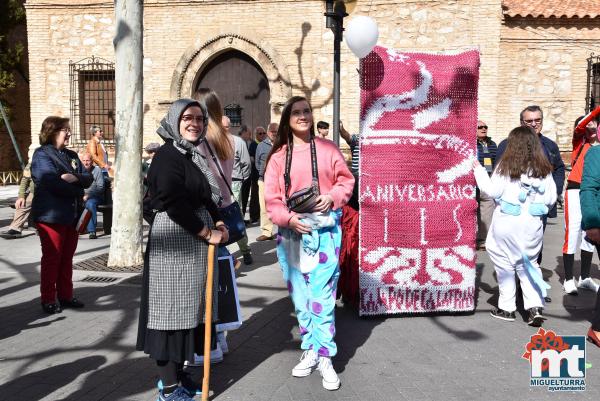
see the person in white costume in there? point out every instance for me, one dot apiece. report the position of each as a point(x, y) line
point(524, 190)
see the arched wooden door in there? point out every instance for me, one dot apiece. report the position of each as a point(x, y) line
point(242, 87)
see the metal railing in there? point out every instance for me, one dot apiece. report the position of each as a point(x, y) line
point(92, 98)
point(10, 177)
point(592, 96)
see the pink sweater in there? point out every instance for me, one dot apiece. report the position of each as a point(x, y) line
point(334, 177)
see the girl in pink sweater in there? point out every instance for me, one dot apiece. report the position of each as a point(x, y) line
point(308, 244)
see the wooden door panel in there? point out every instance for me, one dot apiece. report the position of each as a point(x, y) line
point(238, 79)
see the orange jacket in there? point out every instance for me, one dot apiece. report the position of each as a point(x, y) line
point(97, 152)
point(580, 148)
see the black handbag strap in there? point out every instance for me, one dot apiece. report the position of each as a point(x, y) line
point(218, 166)
point(288, 166)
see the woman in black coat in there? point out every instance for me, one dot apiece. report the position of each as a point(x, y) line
point(186, 196)
point(59, 179)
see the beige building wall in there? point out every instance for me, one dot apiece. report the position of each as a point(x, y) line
point(544, 63)
point(290, 42)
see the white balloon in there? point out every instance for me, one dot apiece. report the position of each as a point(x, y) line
point(361, 35)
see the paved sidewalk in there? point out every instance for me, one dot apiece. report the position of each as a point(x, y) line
point(89, 354)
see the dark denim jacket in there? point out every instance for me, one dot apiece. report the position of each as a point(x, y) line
point(56, 201)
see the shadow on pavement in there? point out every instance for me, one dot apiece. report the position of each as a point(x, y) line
point(263, 253)
point(266, 333)
point(50, 379)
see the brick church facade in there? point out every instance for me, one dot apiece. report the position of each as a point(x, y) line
point(533, 53)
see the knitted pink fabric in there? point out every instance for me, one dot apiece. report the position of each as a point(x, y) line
point(417, 224)
point(335, 178)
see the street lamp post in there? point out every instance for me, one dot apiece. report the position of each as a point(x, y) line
point(335, 11)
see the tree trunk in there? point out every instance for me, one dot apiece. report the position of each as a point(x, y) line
point(126, 240)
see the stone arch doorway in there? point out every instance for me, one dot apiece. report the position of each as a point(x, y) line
point(197, 57)
point(242, 87)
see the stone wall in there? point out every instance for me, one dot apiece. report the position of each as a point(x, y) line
point(544, 63)
point(58, 35)
point(291, 43)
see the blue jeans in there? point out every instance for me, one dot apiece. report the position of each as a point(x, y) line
point(91, 204)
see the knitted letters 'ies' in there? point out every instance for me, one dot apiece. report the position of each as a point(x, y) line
point(417, 190)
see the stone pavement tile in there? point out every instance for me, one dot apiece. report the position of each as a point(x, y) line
point(298, 392)
point(414, 358)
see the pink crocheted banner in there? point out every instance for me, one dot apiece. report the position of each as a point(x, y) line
point(417, 191)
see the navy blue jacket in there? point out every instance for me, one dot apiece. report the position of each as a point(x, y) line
point(492, 149)
point(553, 154)
point(57, 201)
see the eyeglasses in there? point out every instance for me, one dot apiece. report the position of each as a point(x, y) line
point(533, 122)
point(482, 127)
point(189, 118)
point(66, 130)
point(260, 133)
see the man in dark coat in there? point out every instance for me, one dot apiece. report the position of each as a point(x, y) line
point(486, 154)
point(533, 117)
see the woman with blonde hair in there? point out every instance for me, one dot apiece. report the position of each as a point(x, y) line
point(218, 148)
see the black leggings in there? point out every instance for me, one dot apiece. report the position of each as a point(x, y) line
point(168, 373)
point(586, 264)
point(171, 373)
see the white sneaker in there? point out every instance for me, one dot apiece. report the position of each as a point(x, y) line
point(588, 284)
point(216, 356)
point(331, 381)
point(222, 342)
point(308, 362)
point(569, 287)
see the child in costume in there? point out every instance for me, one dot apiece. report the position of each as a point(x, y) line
point(309, 238)
point(524, 190)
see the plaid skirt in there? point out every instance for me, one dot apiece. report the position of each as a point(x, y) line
point(173, 290)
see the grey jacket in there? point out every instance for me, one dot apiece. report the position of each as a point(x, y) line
point(262, 151)
point(241, 160)
point(96, 190)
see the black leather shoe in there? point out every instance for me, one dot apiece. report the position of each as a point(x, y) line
point(51, 308)
point(10, 234)
point(248, 258)
point(72, 303)
point(503, 315)
point(535, 317)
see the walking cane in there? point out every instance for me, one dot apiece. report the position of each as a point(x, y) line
point(208, 320)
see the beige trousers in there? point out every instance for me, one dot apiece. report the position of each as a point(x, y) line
point(484, 216)
point(266, 226)
point(21, 215)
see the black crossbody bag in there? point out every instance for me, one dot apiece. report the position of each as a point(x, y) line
point(232, 214)
point(303, 200)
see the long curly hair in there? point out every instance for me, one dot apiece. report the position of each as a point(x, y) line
point(284, 132)
point(523, 155)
